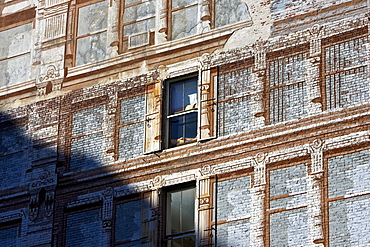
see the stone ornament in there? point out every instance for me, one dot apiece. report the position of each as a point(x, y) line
point(316, 149)
point(260, 169)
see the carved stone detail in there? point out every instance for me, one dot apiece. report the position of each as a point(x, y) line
point(260, 169)
point(315, 42)
point(44, 179)
point(10, 217)
point(51, 74)
point(107, 210)
point(157, 182)
point(33, 208)
point(316, 150)
point(204, 201)
point(206, 170)
point(260, 50)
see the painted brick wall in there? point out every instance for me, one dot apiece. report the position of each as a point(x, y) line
point(287, 88)
point(289, 228)
point(349, 175)
point(87, 139)
point(9, 237)
point(128, 222)
point(289, 186)
point(346, 73)
point(84, 229)
point(233, 211)
point(234, 106)
point(131, 132)
point(13, 158)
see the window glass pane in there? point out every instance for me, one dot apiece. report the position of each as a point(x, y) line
point(173, 212)
point(183, 129)
point(180, 215)
point(190, 127)
point(183, 95)
point(188, 241)
point(187, 209)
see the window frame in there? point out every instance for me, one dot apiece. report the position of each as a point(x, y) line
point(165, 197)
point(168, 116)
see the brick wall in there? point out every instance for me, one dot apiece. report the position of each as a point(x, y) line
point(84, 229)
point(288, 222)
point(349, 177)
point(234, 105)
point(87, 143)
point(131, 130)
point(14, 158)
point(233, 212)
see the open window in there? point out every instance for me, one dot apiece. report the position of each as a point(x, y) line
point(179, 218)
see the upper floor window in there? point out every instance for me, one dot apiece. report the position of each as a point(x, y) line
point(91, 33)
point(189, 110)
point(345, 73)
point(182, 111)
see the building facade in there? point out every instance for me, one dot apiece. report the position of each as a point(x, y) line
point(184, 123)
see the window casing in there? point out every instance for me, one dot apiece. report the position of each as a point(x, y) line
point(179, 218)
point(182, 110)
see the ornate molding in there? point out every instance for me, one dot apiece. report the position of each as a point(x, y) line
point(316, 150)
point(260, 169)
point(131, 189)
point(206, 170)
point(44, 179)
point(107, 210)
point(180, 179)
point(51, 73)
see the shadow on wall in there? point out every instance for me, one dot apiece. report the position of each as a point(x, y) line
point(42, 204)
